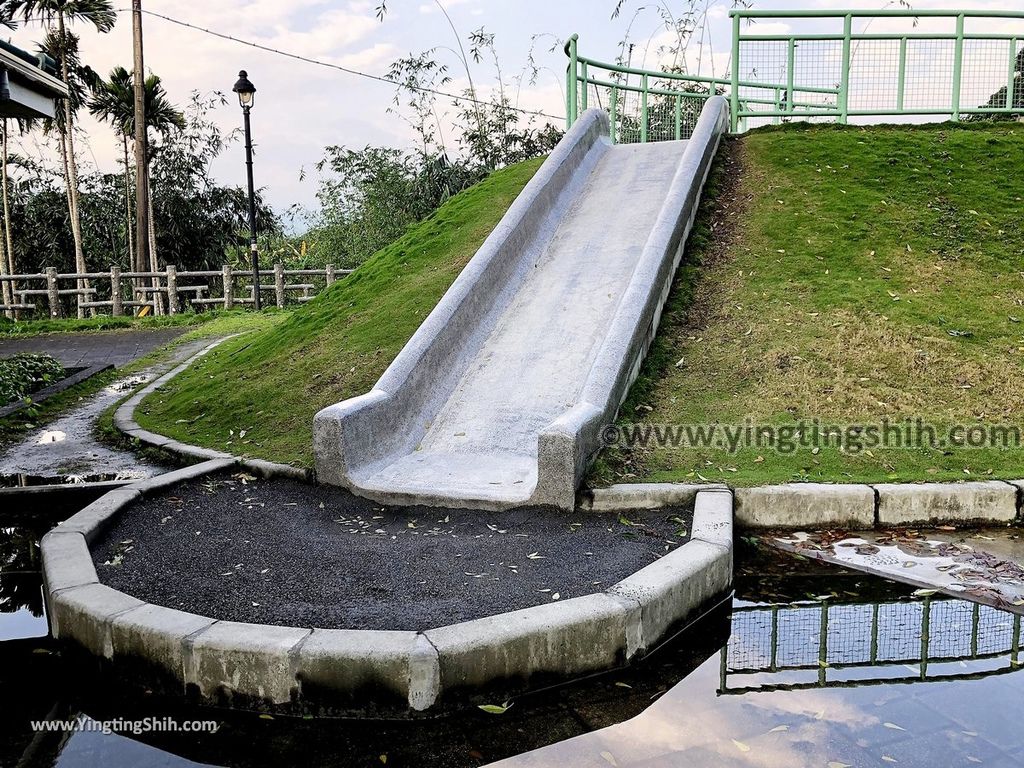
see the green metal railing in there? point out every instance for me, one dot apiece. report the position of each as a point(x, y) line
point(960, 68)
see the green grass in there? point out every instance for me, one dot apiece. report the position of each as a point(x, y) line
point(853, 275)
point(110, 323)
point(269, 384)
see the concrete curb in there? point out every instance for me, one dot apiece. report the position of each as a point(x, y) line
point(641, 496)
point(263, 666)
point(987, 501)
point(124, 422)
point(833, 505)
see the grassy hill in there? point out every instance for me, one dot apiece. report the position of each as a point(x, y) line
point(839, 274)
point(851, 276)
point(256, 395)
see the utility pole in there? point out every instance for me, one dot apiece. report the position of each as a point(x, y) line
point(141, 180)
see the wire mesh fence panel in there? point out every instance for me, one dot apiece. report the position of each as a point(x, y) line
point(988, 68)
point(950, 626)
point(874, 75)
point(799, 637)
point(750, 644)
point(849, 634)
point(899, 632)
point(641, 108)
point(929, 75)
point(996, 632)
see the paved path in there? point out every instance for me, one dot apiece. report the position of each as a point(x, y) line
point(67, 446)
point(81, 350)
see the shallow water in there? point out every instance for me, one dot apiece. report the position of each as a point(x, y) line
point(812, 665)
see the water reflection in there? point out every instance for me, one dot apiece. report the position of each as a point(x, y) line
point(834, 682)
point(871, 675)
point(21, 598)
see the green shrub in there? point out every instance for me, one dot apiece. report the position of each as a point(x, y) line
point(26, 373)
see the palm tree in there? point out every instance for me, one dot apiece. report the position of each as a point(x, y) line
point(113, 102)
point(62, 44)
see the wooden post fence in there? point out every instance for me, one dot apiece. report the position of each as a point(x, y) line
point(169, 291)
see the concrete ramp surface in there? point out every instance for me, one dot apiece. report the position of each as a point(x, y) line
point(500, 397)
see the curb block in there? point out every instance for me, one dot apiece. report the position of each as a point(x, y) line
point(153, 485)
point(253, 660)
point(124, 422)
point(800, 505)
point(66, 561)
point(712, 517)
point(669, 589)
point(570, 637)
point(990, 500)
point(85, 613)
point(156, 635)
point(347, 661)
point(642, 496)
point(93, 520)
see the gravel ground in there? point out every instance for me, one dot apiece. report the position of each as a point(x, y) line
point(281, 552)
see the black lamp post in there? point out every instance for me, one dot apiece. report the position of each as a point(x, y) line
point(246, 95)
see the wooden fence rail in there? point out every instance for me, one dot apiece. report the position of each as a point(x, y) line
point(168, 292)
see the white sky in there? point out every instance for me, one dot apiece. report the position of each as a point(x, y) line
point(300, 108)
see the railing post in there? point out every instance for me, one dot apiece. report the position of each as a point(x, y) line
point(844, 83)
point(975, 621)
point(116, 308)
point(734, 97)
point(613, 114)
point(585, 96)
point(52, 297)
point(1015, 641)
point(279, 284)
point(901, 85)
point(874, 632)
point(172, 289)
point(571, 99)
point(823, 645)
point(229, 286)
point(79, 287)
point(679, 117)
point(958, 60)
point(926, 616)
point(643, 109)
point(1011, 77)
point(329, 277)
point(157, 294)
point(790, 66)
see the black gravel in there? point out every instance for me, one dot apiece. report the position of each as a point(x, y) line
point(282, 552)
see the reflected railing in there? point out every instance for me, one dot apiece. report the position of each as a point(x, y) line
point(824, 644)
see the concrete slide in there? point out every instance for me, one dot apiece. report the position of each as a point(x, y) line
point(500, 398)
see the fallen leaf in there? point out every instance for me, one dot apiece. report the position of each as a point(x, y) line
point(495, 709)
point(741, 746)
